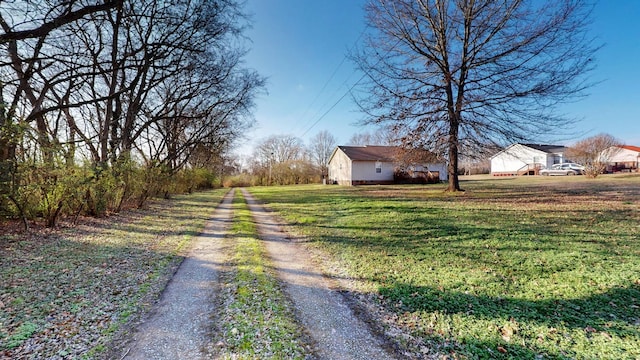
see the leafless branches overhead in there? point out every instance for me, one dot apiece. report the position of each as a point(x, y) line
point(453, 76)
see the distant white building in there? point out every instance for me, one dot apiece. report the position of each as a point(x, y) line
point(360, 165)
point(623, 158)
point(526, 159)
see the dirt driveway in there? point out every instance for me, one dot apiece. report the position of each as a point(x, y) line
point(178, 325)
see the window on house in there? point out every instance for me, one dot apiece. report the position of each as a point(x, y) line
point(378, 167)
point(557, 159)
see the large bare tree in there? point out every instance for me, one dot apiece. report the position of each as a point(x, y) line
point(119, 77)
point(455, 75)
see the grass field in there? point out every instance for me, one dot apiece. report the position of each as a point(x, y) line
point(526, 268)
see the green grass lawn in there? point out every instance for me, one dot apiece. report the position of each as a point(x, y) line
point(526, 268)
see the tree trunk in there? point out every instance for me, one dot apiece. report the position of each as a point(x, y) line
point(452, 168)
point(23, 215)
point(454, 184)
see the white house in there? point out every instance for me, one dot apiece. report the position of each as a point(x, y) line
point(624, 158)
point(359, 165)
point(526, 159)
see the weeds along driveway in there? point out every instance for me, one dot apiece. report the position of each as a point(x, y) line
point(338, 333)
point(179, 325)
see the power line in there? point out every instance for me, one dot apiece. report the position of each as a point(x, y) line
point(335, 71)
point(334, 105)
point(348, 91)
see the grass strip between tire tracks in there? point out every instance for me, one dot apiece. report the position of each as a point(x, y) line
point(255, 319)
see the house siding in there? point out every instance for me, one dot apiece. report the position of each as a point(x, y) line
point(357, 166)
point(516, 157)
point(624, 156)
point(364, 172)
point(340, 168)
point(624, 160)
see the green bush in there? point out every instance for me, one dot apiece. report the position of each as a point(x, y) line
point(190, 180)
point(50, 190)
point(101, 193)
point(61, 191)
point(206, 179)
point(21, 195)
point(129, 176)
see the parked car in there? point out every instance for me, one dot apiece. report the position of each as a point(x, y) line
point(563, 169)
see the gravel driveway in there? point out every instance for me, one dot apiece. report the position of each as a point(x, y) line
point(178, 327)
point(324, 312)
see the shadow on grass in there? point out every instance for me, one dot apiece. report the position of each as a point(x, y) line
point(579, 231)
point(614, 312)
point(65, 286)
point(604, 312)
point(472, 238)
point(91, 280)
point(513, 251)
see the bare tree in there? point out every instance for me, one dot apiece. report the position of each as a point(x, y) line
point(275, 157)
point(450, 75)
point(320, 149)
point(134, 83)
point(594, 153)
point(115, 72)
point(279, 149)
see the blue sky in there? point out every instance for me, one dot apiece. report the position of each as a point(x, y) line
point(300, 46)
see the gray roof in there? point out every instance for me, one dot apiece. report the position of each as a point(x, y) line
point(393, 154)
point(370, 152)
point(550, 149)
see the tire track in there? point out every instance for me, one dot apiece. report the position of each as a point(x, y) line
point(179, 325)
point(337, 332)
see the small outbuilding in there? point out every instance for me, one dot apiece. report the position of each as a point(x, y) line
point(360, 165)
point(526, 159)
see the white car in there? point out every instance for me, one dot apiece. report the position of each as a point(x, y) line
point(563, 169)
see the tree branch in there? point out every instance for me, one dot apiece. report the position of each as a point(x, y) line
point(61, 20)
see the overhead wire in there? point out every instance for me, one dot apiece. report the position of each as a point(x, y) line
point(333, 106)
point(335, 71)
point(348, 91)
